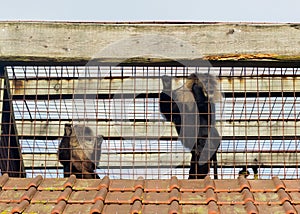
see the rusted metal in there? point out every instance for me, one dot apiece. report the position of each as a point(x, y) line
point(258, 118)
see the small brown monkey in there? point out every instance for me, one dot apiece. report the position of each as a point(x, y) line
point(79, 151)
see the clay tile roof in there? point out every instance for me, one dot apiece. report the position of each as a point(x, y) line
point(72, 195)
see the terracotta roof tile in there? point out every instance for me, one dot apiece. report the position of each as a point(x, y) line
point(194, 209)
point(138, 195)
point(97, 207)
point(86, 196)
point(136, 207)
point(156, 198)
point(264, 185)
point(268, 208)
point(174, 207)
point(266, 198)
point(3, 180)
point(105, 182)
point(297, 208)
point(101, 194)
point(59, 207)
point(251, 208)
point(278, 183)
point(213, 207)
point(139, 183)
point(227, 186)
point(19, 208)
point(247, 195)
point(11, 196)
point(230, 198)
point(72, 195)
point(208, 183)
point(6, 207)
point(210, 195)
point(87, 184)
point(174, 195)
point(292, 185)
point(157, 186)
point(44, 197)
point(35, 182)
point(193, 198)
point(117, 208)
point(78, 208)
point(65, 194)
point(156, 208)
point(70, 182)
point(197, 185)
point(17, 184)
point(39, 208)
point(119, 197)
point(28, 195)
point(193, 186)
point(122, 185)
point(295, 197)
point(243, 182)
point(289, 208)
point(225, 209)
point(174, 183)
point(51, 184)
point(283, 196)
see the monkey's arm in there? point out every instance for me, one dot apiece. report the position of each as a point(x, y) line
point(64, 155)
point(170, 110)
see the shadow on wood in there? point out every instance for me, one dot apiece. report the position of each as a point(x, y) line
point(11, 161)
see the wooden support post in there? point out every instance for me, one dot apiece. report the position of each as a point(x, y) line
point(11, 160)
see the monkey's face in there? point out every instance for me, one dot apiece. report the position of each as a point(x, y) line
point(171, 83)
point(84, 139)
point(167, 82)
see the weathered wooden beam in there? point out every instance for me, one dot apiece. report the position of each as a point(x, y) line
point(146, 85)
point(225, 159)
point(132, 130)
point(119, 42)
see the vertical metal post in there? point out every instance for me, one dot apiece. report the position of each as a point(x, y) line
point(11, 160)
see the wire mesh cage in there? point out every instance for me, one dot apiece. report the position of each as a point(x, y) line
point(111, 120)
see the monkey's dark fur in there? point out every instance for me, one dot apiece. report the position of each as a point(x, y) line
point(79, 151)
point(203, 86)
point(168, 106)
point(191, 107)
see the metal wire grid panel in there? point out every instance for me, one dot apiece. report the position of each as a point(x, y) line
point(258, 119)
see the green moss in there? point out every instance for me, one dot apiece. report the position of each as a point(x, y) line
point(198, 210)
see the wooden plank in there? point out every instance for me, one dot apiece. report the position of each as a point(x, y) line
point(65, 41)
point(108, 129)
point(149, 130)
point(140, 85)
point(232, 159)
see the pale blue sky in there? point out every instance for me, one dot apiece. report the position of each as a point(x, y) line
point(150, 10)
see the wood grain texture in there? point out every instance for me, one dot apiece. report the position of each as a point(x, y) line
point(158, 129)
point(146, 85)
point(118, 42)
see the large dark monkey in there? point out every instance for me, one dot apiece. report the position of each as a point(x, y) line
point(191, 108)
point(79, 151)
point(204, 89)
